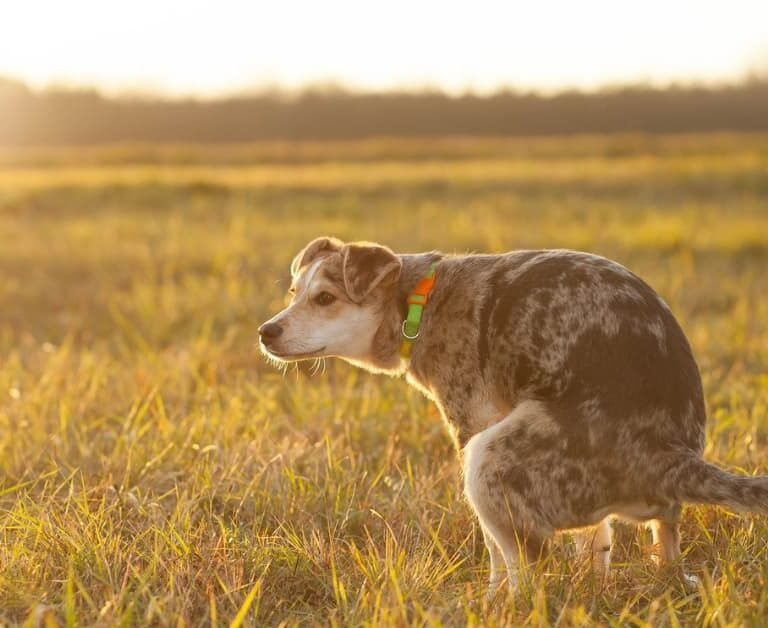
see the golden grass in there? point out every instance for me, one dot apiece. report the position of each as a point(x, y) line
point(155, 471)
point(601, 171)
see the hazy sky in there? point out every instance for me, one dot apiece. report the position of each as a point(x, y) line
point(189, 46)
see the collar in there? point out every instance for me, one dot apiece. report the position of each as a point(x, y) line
point(417, 300)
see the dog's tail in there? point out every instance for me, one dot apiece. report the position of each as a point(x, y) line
point(694, 480)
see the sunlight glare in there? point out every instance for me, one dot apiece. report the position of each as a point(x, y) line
point(207, 48)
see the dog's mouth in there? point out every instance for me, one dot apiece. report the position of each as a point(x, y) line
point(287, 356)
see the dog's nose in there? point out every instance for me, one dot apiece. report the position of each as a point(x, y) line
point(270, 331)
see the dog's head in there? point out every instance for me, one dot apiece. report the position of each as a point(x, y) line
point(338, 295)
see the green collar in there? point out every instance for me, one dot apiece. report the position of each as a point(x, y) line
point(416, 302)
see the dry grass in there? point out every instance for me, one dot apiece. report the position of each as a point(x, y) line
point(154, 471)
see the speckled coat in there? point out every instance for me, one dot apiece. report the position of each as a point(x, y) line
point(568, 385)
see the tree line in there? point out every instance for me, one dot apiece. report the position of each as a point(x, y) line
point(71, 116)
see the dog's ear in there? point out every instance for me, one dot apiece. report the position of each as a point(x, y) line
point(367, 265)
point(317, 248)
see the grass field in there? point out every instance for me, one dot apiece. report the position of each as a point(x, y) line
point(154, 470)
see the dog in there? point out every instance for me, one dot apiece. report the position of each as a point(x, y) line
point(568, 386)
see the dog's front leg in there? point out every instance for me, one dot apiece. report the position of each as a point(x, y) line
point(513, 525)
point(498, 567)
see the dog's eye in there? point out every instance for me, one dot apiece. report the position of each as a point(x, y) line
point(324, 298)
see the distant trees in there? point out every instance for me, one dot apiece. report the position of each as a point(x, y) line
point(84, 116)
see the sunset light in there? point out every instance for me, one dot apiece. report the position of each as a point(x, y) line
point(210, 48)
point(348, 313)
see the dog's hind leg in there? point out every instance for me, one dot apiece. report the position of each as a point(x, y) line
point(666, 541)
point(597, 543)
point(666, 537)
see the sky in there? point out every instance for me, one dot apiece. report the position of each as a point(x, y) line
point(210, 48)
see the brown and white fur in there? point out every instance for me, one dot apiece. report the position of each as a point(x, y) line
point(568, 385)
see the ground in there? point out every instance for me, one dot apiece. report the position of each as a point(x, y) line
point(154, 470)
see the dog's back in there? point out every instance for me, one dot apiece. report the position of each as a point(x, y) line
point(608, 361)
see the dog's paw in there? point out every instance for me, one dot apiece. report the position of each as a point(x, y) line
point(690, 582)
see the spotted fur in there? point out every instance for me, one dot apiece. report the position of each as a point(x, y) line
point(568, 385)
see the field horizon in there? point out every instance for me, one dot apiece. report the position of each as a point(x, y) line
point(60, 115)
point(155, 470)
